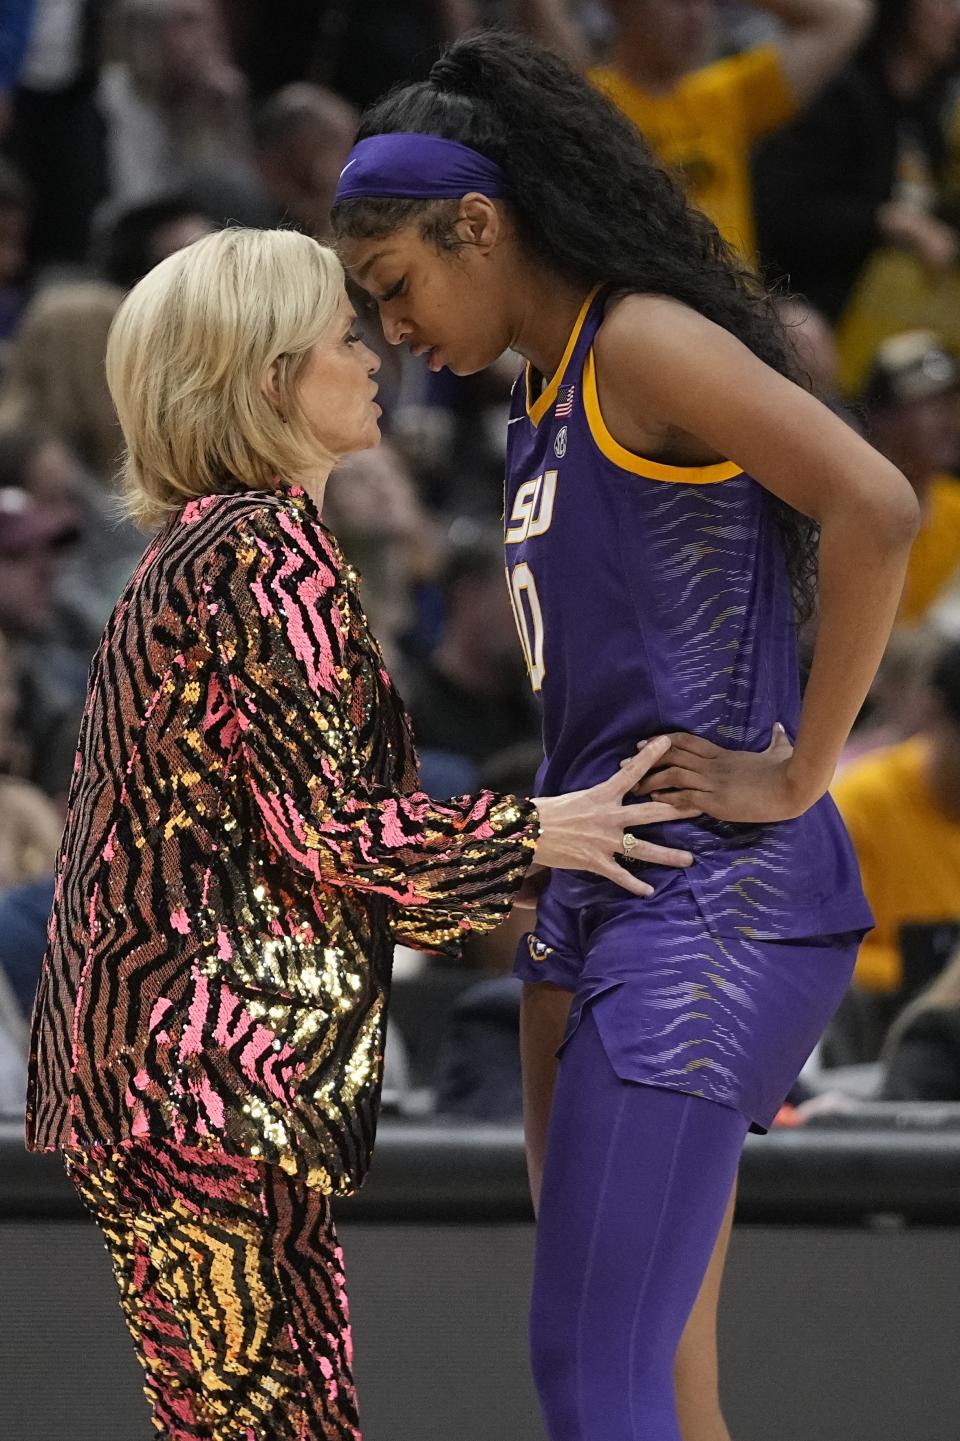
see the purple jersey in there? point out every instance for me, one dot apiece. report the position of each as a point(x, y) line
point(652, 598)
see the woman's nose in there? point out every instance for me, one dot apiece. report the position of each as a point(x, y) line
point(373, 361)
point(392, 328)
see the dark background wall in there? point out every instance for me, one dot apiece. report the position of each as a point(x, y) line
point(828, 1334)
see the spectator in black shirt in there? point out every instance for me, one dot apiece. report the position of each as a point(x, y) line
point(863, 165)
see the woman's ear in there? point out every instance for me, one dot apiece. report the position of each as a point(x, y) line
point(271, 389)
point(478, 222)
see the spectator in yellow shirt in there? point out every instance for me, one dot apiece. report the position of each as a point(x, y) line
point(912, 410)
point(702, 119)
point(902, 808)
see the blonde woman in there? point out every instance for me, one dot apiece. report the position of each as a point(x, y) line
point(245, 841)
point(55, 376)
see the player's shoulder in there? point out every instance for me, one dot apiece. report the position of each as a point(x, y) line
point(642, 331)
point(630, 310)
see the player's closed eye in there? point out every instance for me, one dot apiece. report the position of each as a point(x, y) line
point(394, 291)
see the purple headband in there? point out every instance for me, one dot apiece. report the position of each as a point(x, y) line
point(417, 167)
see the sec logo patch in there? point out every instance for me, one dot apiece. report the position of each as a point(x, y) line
point(560, 444)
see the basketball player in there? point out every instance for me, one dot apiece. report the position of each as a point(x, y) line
point(665, 482)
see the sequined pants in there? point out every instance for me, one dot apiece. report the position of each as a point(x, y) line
point(231, 1283)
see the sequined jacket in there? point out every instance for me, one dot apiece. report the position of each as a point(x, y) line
point(244, 843)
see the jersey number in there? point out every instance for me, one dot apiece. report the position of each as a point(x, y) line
point(529, 617)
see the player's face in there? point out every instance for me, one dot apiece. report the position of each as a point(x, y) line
point(444, 305)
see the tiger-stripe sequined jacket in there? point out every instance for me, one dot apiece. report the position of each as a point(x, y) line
point(244, 843)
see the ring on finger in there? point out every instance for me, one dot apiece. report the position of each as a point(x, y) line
point(629, 843)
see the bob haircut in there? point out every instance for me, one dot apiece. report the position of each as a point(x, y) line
point(189, 357)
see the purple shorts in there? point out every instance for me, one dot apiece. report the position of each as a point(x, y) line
point(728, 1018)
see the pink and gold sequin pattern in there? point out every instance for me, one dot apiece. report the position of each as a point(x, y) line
point(244, 843)
point(232, 1287)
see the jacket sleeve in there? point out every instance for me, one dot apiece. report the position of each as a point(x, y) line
point(277, 614)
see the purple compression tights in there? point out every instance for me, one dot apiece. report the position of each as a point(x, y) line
point(635, 1188)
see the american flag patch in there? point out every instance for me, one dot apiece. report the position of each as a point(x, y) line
point(564, 404)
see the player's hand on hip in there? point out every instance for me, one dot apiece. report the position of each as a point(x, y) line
point(726, 784)
point(587, 830)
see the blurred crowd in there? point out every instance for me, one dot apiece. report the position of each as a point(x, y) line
point(822, 136)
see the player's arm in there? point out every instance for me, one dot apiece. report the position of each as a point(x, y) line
point(818, 36)
point(663, 361)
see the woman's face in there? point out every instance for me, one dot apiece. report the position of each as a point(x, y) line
point(449, 306)
point(336, 388)
point(933, 30)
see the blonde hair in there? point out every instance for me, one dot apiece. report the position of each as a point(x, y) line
point(30, 828)
point(189, 357)
point(55, 373)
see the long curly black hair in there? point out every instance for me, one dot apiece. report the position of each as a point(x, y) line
point(589, 202)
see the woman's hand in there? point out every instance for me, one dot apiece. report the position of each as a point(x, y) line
point(729, 785)
point(583, 831)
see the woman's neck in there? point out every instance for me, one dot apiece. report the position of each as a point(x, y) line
point(315, 486)
point(547, 309)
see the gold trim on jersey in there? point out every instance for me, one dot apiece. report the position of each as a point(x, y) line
point(638, 464)
point(537, 409)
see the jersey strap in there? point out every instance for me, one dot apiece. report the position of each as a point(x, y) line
point(584, 327)
point(638, 464)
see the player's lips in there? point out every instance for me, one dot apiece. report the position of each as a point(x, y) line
point(431, 352)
